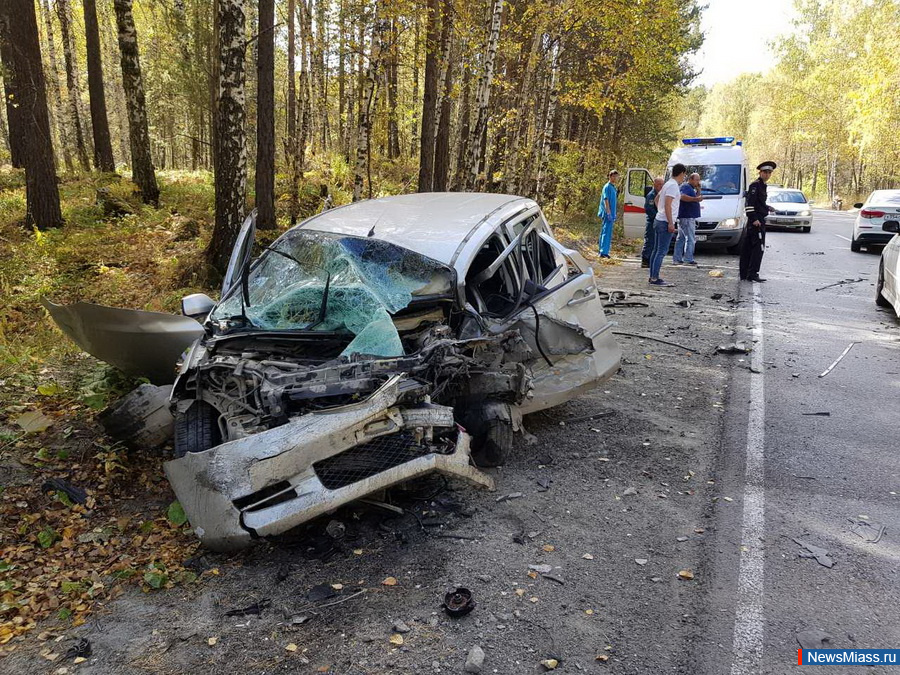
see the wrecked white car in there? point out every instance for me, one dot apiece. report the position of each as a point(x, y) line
point(371, 344)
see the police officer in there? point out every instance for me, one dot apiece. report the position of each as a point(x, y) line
point(756, 211)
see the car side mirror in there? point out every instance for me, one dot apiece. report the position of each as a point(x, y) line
point(197, 306)
point(891, 226)
point(858, 205)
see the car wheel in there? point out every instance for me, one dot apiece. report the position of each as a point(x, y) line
point(197, 429)
point(880, 300)
point(492, 438)
point(855, 246)
point(807, 229)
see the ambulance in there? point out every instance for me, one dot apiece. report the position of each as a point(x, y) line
point(722, 165)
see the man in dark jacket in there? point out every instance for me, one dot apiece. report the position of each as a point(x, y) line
point(755, 238)
point(650, 231)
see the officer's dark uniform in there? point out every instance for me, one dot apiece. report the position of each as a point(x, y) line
point(755, 238)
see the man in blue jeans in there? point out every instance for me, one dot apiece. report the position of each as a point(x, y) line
point(650, 231)
point(607, 213)
point(667, 202)
point(688, 213)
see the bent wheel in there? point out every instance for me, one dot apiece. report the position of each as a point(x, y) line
point(197, 429)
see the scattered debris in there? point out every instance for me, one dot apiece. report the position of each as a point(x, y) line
point(654, 339)
point(838, 359)
point(141, 419)
point(81, 649)
point(733, 348)
point(629, 492)
point(813, 638)
point(401, 627)
point(586, 418)
point(543, 484)
point(396, 639)
point(641, 561)
point(685, 303)
point(474, 660)
point(718, 274)
point(550, 664)
point(817, 414)
point(553, 577)
point(73, 492)
point(458, 602)
point(291, 647)
point(588, 556)
point(322, 592)
point(869, 532)
point(336, 529)
point(814, 253)
point(511, 495)
point(686, 574)
point(389, 581)
point(841, 283)
point(541, 569)
point(251, 610)
point(820, 554)
point(716, 296)
point(682, 538)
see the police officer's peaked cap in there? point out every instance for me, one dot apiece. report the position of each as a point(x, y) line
point(767, 166)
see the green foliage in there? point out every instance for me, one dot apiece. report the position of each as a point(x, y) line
point(176, 514)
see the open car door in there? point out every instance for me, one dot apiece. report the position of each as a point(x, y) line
point(638, 183)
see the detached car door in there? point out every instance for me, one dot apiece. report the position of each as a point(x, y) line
point(638, 182)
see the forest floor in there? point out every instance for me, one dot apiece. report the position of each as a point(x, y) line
point(122, 572)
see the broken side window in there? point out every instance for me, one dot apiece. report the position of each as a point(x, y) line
point(494, 281)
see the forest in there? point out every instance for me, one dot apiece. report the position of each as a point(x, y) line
point(828, 112)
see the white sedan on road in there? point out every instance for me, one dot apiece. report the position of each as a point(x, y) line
point(791, 209)
point(887, 293)
point(880, 207)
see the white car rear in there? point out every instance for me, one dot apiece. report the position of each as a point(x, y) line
point(881, 206)
point(792, 209)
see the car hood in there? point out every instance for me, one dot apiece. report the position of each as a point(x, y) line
point(721, 207)
point(141, 343)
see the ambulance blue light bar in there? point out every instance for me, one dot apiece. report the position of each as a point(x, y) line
point(720, 140)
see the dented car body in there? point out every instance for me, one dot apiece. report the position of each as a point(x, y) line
point(374, 343)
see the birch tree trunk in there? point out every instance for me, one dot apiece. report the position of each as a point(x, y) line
point(265, 114)
point(478, 139)
point(549, 118)
point(365, 108)
point(414, 125)
point(459, 179)
point(103, 154)
point(429, 99)
point(64, 13)
point(143, 173)
point(19, 33)
point(393, 146)
point(291, 141)
point(231, 147)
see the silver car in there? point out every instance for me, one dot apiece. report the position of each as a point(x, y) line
point(370, 344)
point(791, 209)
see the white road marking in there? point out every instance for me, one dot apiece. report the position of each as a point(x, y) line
point(749, 620)
point(841, 236)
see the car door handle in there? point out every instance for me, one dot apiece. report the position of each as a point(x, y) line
point(586, 294)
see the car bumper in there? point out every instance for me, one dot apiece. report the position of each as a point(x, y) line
point(266, 483)
point(718, 237)
point(791, 222)
point(874, 237)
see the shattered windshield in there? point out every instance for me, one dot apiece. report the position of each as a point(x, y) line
point(318, 281)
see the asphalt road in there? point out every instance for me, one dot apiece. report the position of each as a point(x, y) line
point(806, 457)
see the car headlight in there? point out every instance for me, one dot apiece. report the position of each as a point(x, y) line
point(729, 224)
point(804, 213)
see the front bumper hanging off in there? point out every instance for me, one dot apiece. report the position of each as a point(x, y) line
point(267, 483)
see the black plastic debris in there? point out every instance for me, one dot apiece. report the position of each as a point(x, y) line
point(733, 348)
point(820, 554)
point(81, 649)
point(817, 414)
point(251, 610)
point(73, 492)
point(458, 602)
point(320, 592)
point(869, 532)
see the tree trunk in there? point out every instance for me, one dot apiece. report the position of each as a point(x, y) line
point(64, 13)
point(231, 147)
point(547, 132)
point(265, 113)
point(393, 146)
point(18, 26)
point(321, 42)
point(365, 108)
point(103, 154)
point(414, 126)
point(429, 99)
point(291, 142)
point(57, 114)
point(459, 178)
point(478, 140)
point(442, 140)
point(342, 77)
point(13, 113)
point(143, 174)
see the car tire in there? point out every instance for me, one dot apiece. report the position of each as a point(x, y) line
point(880, 300)
point(197, 429)
point(855, 246)
point(492, 438)
point(807, 229)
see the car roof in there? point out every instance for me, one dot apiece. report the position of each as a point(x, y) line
point(884, 197)
point(434, 224)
